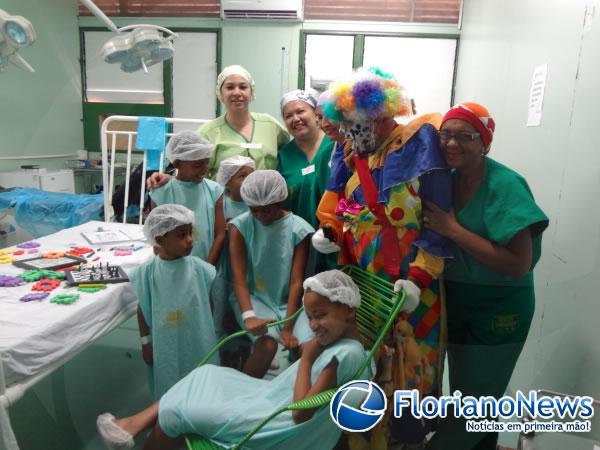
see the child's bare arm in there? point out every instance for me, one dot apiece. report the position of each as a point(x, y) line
point(295, 291)
point(147, 353)
point(237, 252)
point(303, 387)
point(219, 240)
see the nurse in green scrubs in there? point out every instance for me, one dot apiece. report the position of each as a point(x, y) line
point(497, 230)
point(304, 163)
point(239, 131)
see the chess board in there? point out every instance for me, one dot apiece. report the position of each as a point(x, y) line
point(39, 262)
point(97, 274)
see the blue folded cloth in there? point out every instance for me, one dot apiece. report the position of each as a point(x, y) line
point(151, 137)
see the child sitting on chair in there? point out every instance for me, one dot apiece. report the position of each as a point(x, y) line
point(269, 249)
point(223, 405)
point(232, 172)
point(174, 314)
point(190, 154)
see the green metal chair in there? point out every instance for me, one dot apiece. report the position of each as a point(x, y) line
point(378, 310)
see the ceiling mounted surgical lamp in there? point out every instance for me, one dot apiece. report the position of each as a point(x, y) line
point(134, 47)
point(16, 32)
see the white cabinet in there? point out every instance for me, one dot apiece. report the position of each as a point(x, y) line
point(47, 180)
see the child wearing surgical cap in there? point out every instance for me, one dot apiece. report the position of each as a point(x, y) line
point(223, 405)
point(190, 154)
point(174, 313)
point(269, 249)
point(232, 172)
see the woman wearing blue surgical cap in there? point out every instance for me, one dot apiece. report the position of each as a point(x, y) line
point(304, 161)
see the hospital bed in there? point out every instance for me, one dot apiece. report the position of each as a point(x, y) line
point(38, 337)
point(111, 131)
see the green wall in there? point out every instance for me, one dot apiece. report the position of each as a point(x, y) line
point(501, 44)
point(41, 111)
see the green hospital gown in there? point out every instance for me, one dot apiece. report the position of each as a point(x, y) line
point(174, 298)
point(201, 198)
point(269, 254)
point(489, 313)
point(267, 136)
point(223, 404)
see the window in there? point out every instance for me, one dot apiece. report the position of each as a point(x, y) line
point(157, 8)
point(328, 57)
point(425, 66)
point(439, 11)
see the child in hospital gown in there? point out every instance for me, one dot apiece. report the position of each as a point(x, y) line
point(173, 288)
point(222, 404)
point(269, 248)
point(190, 154)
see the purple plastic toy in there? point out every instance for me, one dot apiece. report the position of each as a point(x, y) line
point(34, 296)
point(8, 281)
point(29, 244)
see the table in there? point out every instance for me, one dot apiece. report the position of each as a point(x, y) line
point(38, 337)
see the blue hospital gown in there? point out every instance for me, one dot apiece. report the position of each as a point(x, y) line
point(223, 404)
point(269, 255)
point(201, 198)
point(174, 298)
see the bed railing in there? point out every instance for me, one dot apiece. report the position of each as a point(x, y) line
point(109, 151)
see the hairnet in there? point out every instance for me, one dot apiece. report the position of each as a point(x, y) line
point(229, 167)
point(309, 97)
point(234, 70)
point(165, 218)
point(336, 286)
point(188, 146)
point(263, 187)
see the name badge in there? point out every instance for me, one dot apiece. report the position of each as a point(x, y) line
point(251, 145)
point(308, 169)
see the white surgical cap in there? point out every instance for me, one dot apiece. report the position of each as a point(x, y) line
point(336, 286)
point(165, 218)
point(263, 187)
point(188, 146)
point(309, 97)
point(229, 167)
point(234, 70)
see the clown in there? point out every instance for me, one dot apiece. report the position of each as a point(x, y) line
point(371, 213)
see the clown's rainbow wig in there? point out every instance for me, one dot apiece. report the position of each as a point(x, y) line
point(366, 95)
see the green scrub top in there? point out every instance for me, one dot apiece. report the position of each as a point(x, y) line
point(305, 179)
point(267, 136)
point(502, 206)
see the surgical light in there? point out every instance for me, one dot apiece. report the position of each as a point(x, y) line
point(16, 32)
point(135, 47)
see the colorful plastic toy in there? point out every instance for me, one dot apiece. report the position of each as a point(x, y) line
point(9, 281)
point(53, 255)
point(30, 244)
point(35, 275)
point(34, 296)
point(45, 285)
point(65, 299)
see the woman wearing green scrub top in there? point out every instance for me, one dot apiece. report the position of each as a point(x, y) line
point(239, 131)
point(304, 161)
point(497, 230)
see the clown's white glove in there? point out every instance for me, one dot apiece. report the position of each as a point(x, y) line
point(322, 244)
point(412, 294)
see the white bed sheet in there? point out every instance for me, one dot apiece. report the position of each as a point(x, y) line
point(36, 336)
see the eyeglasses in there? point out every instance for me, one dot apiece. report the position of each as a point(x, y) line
point(461, 138)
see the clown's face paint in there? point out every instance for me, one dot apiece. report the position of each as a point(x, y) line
point(362, 135)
